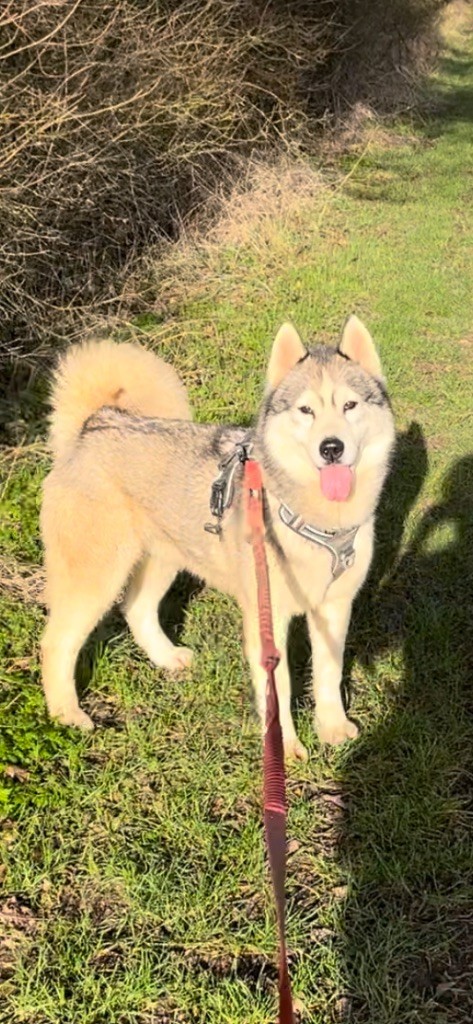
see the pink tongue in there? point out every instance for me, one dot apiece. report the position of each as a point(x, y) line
point(336, 482)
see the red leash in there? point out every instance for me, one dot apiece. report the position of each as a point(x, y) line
point(274, 784)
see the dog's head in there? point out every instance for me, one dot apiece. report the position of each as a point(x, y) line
point(326, 422)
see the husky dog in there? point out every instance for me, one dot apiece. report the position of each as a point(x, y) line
point(127, 503)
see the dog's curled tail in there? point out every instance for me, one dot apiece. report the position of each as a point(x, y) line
point(101, 373)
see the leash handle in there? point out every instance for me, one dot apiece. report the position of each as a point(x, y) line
point(274, 784)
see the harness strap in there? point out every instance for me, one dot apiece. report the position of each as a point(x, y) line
point(340, 543)
point(274, 786)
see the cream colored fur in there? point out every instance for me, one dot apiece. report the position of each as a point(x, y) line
point(107, 373)
point(127, 500)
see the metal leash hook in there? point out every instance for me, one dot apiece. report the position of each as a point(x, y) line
point(223, 487)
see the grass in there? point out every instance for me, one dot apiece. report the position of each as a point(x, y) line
point(134, 885)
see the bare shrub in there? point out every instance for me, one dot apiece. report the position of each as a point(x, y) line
point(119, 118)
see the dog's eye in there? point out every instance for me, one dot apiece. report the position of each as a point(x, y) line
point(306, 409)
point(349, 405)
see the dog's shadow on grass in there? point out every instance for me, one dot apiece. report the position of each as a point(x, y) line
point(406, 839)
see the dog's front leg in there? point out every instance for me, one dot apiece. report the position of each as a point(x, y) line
point(328, 627)
point(293, 748)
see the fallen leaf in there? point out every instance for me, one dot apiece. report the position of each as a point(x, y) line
point(321, 934)
point(299, 1007)
point(336, 799)
point(343, 1007)
point(340, 892)
point(15, 772)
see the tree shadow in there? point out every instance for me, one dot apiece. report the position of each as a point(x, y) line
point(406, 840)
point(443, 102)
point(443, 108)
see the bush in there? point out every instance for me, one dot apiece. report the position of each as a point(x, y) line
point(119, 117)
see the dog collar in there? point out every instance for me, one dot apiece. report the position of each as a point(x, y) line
point(340, 543)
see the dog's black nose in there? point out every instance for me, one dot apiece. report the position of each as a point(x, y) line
point(331, 449)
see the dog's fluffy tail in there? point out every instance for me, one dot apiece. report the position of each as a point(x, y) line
point(107, 373)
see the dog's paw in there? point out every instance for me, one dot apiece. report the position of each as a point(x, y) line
point(335, 731)
point(294, 750)
point(73, 716)
point(178, 659)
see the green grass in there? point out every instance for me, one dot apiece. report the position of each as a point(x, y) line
point(133, 885)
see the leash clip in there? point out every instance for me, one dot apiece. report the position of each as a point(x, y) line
point(221, 497)
point(223, 488)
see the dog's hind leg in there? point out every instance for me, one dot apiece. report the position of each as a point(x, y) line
point(85, 571)
point(149, 584)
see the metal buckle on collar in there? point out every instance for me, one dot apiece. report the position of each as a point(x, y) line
point(341, 543)
point(223, 488)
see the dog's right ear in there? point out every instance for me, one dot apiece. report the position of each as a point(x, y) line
point(356, 343)
point(287, 350)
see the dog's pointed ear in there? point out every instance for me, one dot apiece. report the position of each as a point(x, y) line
point(287, 350)
point(356, 343)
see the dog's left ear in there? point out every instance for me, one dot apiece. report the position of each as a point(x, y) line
point(287, 350)
point(356, 343)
